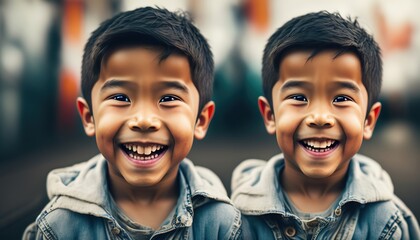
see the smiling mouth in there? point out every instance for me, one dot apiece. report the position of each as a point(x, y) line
point(143, 152)
point(319, 146)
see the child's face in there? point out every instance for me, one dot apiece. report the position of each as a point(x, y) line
point(319, 112)
point(144, 115)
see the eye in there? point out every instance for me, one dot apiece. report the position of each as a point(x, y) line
point(169, 98)
point(342, 99)
point(120, 97)
point(299, 98)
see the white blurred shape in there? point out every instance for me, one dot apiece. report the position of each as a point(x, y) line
point(12, 62)
point(215, 21)
point(29, 22)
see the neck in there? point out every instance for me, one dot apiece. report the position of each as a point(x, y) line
point(122, 191)
point(312, 194)
point(295, 182)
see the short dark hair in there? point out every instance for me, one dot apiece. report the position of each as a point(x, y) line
point(173, 32)
point(323, 31)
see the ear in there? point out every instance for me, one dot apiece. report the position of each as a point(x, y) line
point(86, 116)
point(371, 119)
point(267, 115)
point(203, 120)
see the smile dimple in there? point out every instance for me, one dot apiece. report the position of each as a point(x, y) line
point(143, 152)
point(316, 145)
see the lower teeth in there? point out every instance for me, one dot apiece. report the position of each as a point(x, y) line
point(143, 158)
point(318, 150)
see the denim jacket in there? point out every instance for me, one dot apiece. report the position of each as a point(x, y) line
point(79, 206)
point(367, 208)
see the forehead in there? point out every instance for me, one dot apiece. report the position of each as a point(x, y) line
point(327, 62)
point(140, 60)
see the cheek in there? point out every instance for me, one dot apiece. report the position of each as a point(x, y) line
point(287, 123)
point(352, 125)
point(106, 128)
point(181, 127)
point(108, 123)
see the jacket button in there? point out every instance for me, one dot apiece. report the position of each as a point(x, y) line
point(337, 211)
point(290, 231)
point(115, 231)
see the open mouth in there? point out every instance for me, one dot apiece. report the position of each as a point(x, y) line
point(143, 152)
point(319, 146)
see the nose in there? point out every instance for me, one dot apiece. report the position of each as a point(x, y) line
point(144, 120)
point(320, 118)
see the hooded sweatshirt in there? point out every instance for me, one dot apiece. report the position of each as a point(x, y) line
point(366, 209)
point(80, 206)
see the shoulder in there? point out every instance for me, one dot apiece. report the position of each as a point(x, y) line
point(63, 223)
point(387, 220)
point(217, 218)
point(409, 225)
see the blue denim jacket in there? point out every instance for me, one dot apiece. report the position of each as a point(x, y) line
point(367, 209)
point(80, 208)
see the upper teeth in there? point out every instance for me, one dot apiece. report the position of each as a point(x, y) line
point(147, 150)
point(319, 143)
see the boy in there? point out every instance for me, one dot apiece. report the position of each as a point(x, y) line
point(146, 81)
point(321, 81)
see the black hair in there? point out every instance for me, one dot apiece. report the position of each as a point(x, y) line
point(173, 32)
point(321, 31)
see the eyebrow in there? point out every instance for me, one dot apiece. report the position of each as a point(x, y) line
point(294, 84)
point(174, 85)
point(114, 83)
point(302, 84)
point(348, 85)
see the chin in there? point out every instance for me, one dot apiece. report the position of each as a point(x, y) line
point(142, 182)
point(317, 174)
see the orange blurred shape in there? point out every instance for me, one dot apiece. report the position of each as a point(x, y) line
point(72, 20)
point(68, 86)
point(257, 13)
point(400, 36)
point(393, 36)
point(68, 89)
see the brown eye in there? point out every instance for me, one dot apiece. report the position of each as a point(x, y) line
point(300, 98)
point(168, 99)
point(342, 99)
point(121, 98)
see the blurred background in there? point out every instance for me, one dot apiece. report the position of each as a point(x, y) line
point(41, 44)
